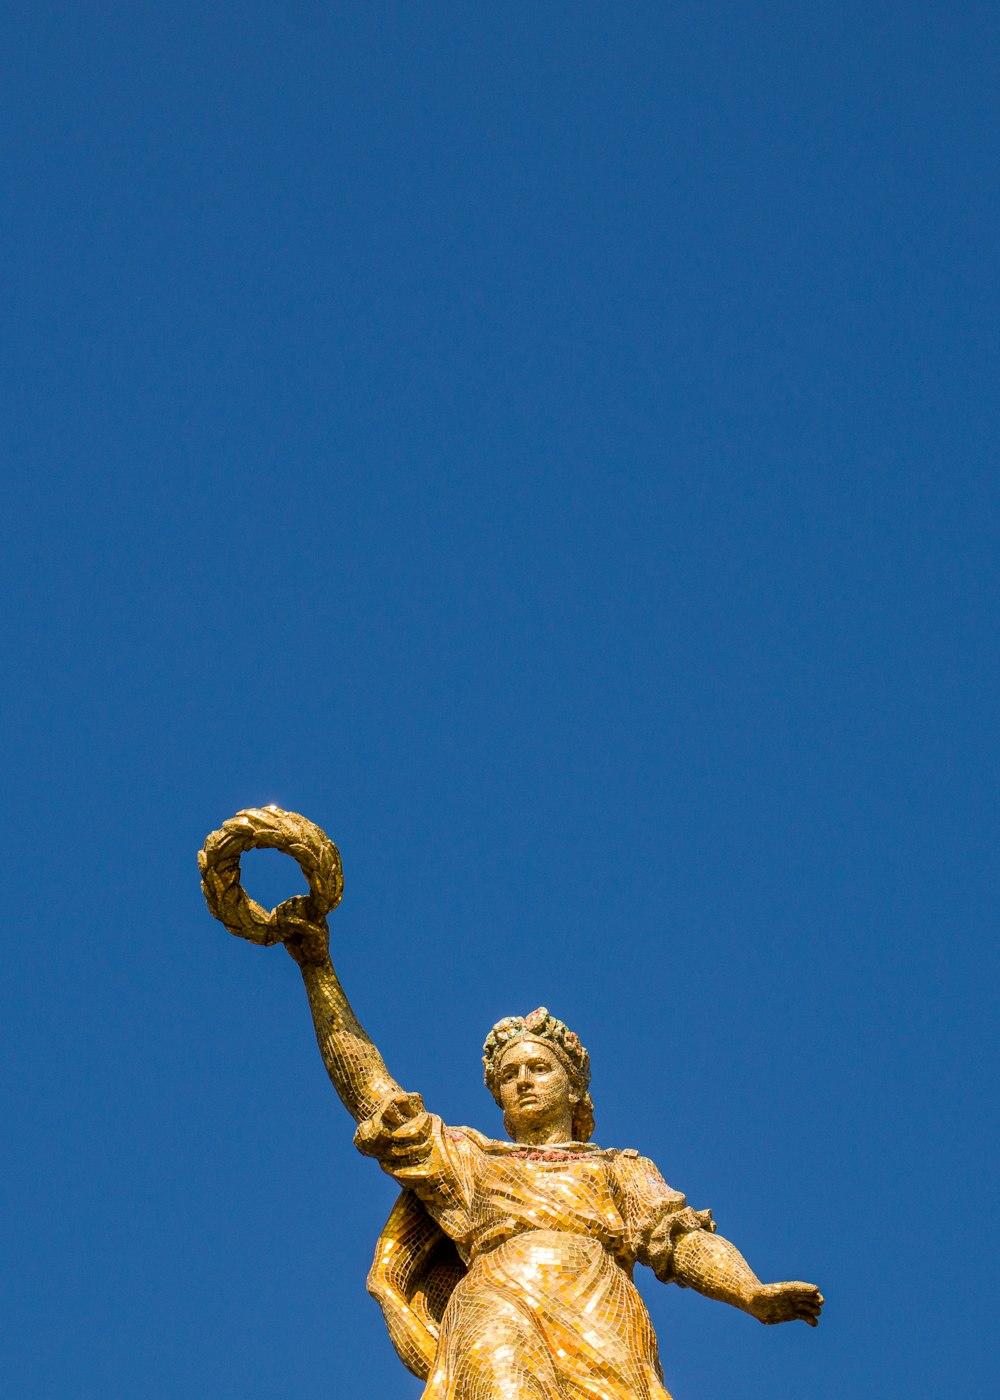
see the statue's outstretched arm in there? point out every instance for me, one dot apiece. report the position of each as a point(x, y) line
point(355, 1067)
point(713, 1266)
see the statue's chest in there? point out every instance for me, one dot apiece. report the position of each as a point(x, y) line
point(548, 1193)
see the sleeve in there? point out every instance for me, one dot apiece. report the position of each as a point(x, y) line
point(435, 1162)
point(655, 1215)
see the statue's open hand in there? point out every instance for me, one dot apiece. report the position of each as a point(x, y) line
point(306, 940)
point(787, 1302)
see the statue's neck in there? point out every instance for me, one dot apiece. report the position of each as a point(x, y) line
point(545, 1135)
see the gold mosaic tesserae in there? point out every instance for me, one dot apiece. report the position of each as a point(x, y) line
point(505, 1269)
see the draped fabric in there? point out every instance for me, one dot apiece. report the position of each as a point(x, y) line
point(546, 1309)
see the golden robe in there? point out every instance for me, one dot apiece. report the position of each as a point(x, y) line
point(539, 1302)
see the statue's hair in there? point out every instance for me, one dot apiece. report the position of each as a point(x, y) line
point(540, 1025)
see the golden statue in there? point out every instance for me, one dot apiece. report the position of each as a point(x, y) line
point(505, 1268)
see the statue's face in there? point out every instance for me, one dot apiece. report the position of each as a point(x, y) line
point(534, 1088)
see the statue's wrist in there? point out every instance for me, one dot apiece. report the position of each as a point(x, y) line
point(752, 1297)
point(314, 966)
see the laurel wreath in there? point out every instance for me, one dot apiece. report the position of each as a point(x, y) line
point(219, 863)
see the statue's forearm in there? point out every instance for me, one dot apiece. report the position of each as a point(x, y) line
point(355, 1067)
point(713, 1266)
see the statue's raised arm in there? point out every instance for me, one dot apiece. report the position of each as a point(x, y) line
point(353, 1063)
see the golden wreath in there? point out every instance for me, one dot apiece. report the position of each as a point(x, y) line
point(219, 863)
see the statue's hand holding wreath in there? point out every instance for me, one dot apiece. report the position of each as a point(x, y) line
point(355, 1067)
point(306, 940)
point(299, 922)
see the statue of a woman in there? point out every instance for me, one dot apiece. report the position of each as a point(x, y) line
point(505, 1269)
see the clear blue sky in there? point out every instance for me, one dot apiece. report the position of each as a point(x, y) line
point(553, 446)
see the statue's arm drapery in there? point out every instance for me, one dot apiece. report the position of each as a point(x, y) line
point(681, 1246)
point(438, 1164)
point(657, 1217)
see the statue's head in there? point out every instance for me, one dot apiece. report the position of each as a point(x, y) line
point(536, 1067)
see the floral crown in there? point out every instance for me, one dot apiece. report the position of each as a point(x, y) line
point(537, 1025)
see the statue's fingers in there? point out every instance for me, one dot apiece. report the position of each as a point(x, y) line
point(391, 1116)
point(366, 1134)
point(411, 1106)
point(405, 1108)
point(401, 1108)
point(405, 1154)
point(808, 1317)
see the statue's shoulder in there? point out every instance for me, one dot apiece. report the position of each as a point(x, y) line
point(634, 1166)
point(634, 1157)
